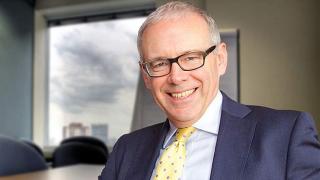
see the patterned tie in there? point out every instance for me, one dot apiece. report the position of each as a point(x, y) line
point(171, 162)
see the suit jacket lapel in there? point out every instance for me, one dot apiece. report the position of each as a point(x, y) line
point(161, 137)
point(234, 140)
point(148, 153)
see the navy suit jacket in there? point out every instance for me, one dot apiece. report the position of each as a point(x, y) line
point(254, 143)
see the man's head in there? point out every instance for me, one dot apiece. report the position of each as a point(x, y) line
point(181, 30)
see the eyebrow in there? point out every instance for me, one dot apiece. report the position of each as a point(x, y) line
point(162, 57)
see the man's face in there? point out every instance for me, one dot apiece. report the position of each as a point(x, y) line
point(183, 95)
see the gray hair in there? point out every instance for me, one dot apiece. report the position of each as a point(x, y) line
point(176, 9)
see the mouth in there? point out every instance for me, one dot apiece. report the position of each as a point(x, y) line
point(184, 94)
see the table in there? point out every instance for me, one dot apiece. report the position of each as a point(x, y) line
point(74, 172)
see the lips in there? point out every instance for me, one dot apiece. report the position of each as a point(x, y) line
point(183, 94)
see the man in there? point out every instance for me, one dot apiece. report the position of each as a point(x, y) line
point(182, 60)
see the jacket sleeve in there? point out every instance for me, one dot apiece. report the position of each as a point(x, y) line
point(304, 150)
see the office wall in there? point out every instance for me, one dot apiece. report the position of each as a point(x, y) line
point(52, 4)
point(279, 51)
point(44, 4)
point(16, 41)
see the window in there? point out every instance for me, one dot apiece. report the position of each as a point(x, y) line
point(93, 77)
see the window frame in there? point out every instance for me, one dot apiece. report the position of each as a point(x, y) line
point(44, 18)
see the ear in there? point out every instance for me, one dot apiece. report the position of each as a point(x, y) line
point(222, 58)
point(146, 78)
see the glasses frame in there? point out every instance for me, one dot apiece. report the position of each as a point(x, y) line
point(176, 60)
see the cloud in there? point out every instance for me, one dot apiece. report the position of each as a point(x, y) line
point(91, 63)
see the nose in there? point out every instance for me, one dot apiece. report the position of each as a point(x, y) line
point(177, 75)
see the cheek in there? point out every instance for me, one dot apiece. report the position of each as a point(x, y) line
point(213, 68)
point(157, 92)
point(211, 76)
point(156, 85)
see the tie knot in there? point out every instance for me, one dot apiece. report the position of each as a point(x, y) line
point(183, 134)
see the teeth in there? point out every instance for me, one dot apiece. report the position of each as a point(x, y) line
point(182, 94)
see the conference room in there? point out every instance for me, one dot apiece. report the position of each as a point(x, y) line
point(71, 86)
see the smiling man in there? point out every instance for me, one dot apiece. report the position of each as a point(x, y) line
point(206, 135)
point(184, 89)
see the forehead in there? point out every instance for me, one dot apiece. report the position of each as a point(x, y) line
point(171, 37)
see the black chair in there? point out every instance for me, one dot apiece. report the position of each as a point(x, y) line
point(34, 146)
point(87, 140)
point(16, 157)
point(78, 152)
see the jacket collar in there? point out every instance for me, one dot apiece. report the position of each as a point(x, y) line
point(234, 139)
point(155, 150)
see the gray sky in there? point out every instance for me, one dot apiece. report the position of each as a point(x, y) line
point(93, 75)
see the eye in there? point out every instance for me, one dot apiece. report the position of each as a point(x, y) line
point(192, 57)
point(159, 65)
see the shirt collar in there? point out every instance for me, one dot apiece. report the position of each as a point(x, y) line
point(169, 136)
point(208, 122)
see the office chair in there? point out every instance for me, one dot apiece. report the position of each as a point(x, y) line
point(16, 157)
point(77, 152)
point(34, 146)
point(87, 140)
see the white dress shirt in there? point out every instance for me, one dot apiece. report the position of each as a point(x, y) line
point(201, 144)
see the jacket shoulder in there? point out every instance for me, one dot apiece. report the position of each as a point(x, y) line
point(276, 114)
point(280, 121)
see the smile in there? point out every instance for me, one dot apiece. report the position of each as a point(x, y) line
point(184, 94)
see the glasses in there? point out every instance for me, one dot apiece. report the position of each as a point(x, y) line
point(188, 62)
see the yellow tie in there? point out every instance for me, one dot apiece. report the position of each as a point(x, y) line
point(171, 162)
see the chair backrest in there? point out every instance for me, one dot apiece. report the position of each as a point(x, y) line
point(77, 152)
point(16, 157)
point(87, 140)
point(34, 146)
